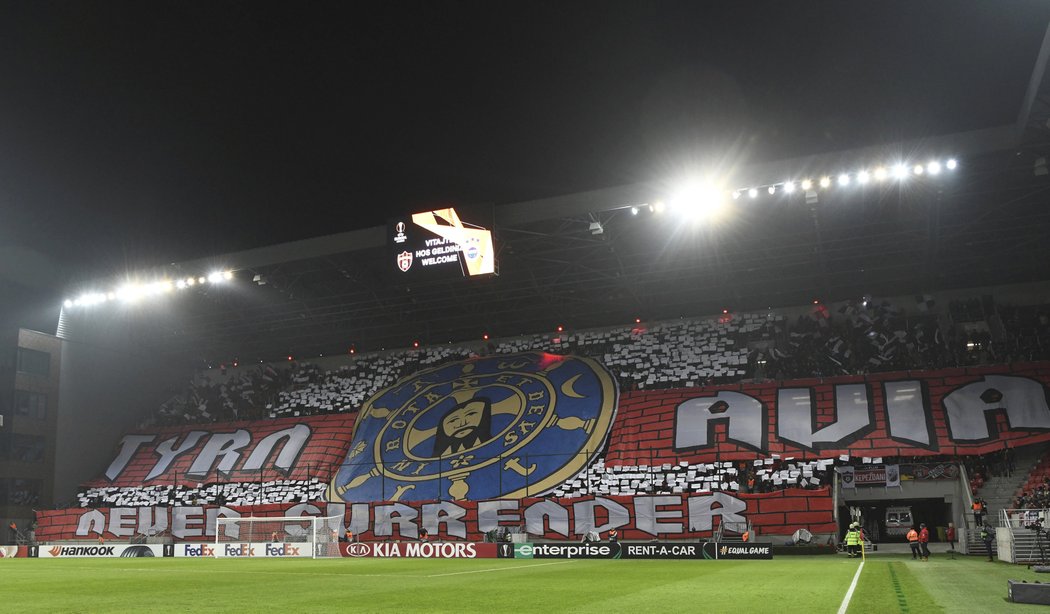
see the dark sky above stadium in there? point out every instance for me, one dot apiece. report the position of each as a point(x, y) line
point(148, 132)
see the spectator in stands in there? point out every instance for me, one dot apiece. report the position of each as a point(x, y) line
point(13, 528)
point(273, 537)
point(614, 536)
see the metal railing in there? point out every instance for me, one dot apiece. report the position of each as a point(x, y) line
point(1023, 518)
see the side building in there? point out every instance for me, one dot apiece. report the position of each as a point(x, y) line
point(30, 364)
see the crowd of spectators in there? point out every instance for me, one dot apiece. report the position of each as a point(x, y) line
point(1036, 498)
point(226, 493)
point(1035, 492)
point(757, 476)
point(853, 337)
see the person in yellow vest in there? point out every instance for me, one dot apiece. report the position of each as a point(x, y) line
point(913, 541)
point(852, 540)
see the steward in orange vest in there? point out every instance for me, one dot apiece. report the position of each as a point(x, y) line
point(913, 541)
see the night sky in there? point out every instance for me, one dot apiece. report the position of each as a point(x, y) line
point(139, 133)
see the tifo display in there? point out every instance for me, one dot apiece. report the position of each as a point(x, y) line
point(547, 445)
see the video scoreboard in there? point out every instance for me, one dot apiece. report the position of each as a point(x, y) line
point(440, 242)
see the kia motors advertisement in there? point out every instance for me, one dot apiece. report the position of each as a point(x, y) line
point(424, 550)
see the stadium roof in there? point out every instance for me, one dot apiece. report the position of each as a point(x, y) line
point(984, 224)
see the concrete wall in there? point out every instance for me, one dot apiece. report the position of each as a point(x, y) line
point(105, 391)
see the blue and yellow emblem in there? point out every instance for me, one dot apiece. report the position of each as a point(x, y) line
point(502, 426)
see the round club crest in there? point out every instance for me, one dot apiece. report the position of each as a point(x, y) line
point(502, 426)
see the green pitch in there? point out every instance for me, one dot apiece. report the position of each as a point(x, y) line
point(812, 584)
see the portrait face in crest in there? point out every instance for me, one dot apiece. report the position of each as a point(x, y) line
point(466, 425)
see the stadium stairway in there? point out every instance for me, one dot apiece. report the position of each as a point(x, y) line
point(1000, 492)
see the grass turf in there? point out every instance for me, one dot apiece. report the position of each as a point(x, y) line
point(888, 583)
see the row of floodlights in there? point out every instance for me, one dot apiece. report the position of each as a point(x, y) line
point(131, 292)
point(702, 197)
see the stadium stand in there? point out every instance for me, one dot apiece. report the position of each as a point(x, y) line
point(866, 336)
point(843, 340)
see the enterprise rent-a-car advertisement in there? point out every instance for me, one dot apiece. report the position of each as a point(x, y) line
point(652, 550)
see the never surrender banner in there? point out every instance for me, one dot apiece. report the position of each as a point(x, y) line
point(640, 517)
point(282, 449)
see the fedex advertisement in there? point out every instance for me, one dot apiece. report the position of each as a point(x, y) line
point(248, 549)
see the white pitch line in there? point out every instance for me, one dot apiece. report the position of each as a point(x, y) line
point(459, 573)
point(849, 593)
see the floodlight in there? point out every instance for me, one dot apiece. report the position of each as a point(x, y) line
point(190, 281)
point(658, 206)
point(807, 184)
point(917, 169)
point(863, 177)
point(880, 173)
point(201, 279)
point(753, 193)
point(227, 275)
point(900, 171)
point(844, 179)
point(699, 200)
point(215, 277)
point(772, 189)
point(68, 303)
point(129, 293)
point(934, 168)
point(634, 210)
point(736, 194)
point(952, 163)
point(180, 284)
point(789, 187)
point(825, 182)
